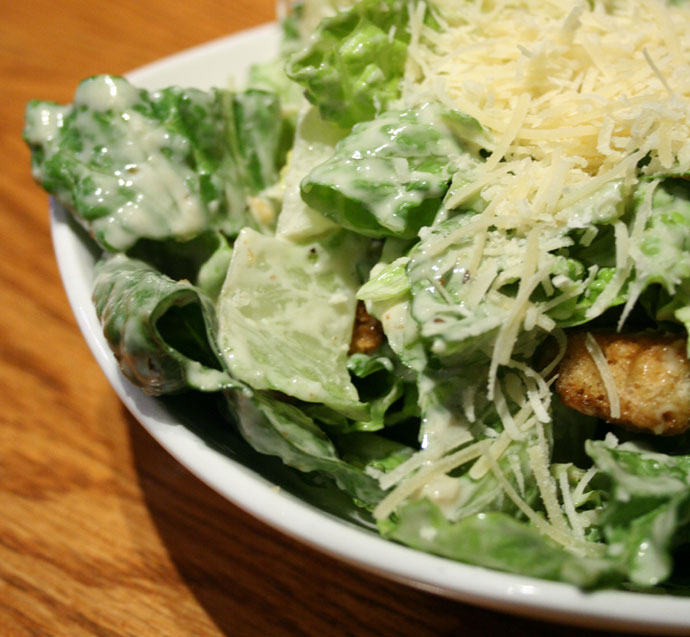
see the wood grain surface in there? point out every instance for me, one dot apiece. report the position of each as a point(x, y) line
point(101, 532)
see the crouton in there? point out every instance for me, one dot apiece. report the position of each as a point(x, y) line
point(651, 374)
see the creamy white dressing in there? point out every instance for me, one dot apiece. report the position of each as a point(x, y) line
point(164, 200)
point(103, 93)
point(652, 564)
point(442, 490)
point(602, 206)
point(205, 378)
point(44, 123)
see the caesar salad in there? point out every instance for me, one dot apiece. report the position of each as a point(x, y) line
point(437, 253)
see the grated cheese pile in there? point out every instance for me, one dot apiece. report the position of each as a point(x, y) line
point(568, 91)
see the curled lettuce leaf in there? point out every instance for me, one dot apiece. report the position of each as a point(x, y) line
point(160, 330)
point(352, 65)
point(381, 384)
point(389, 398)
point(203, 260)
point(173, 163)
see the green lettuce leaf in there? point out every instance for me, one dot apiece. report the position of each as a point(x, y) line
point(279, 429)
point(372, 452)
point(662, 253)
point(352, 66)
point(286, 314)
point(388, 177)
point(161, 331)
point(496, 540)
point(388, 396)
point(168, 164)
point(459, 316)
point(387, 282)
point(574, 310)
point(203, 260)
point(315, 141)
point(648, 513)
point(387, 297)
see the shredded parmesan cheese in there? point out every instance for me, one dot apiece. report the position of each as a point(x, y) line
point(481, 466)
point(605, 373)
point(424, 457)
point(623, 268)
point(504, 414)
point(516, 469)
point(565, 539)
point(547, 487)
point(425, 474)
point(643, 215)
point(505, 341)
point(568, 505)
point(582, 91)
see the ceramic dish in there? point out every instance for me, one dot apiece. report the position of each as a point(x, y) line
point(275, 494)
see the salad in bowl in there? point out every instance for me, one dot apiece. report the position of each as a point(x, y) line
point(436, 254)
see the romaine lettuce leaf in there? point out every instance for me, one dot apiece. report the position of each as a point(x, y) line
point(386, 282)
point(662, 253)
point(388, 396)
point(134, 164)
point(648, 513)
point(496, 540)
point(315, 142)
point(280, 429)
point(352, 65)
point(258, 134)
point(574, 309)
point(387, 297)
point(286, 315)
point(161, 331)
point(459, 314)
point(203, 260)
point(389, 176)
point(372, 452)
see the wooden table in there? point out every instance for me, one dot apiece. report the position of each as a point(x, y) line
point(101, 532)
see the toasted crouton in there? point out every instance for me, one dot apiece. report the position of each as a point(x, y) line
point(651, 375)
point(367, 334)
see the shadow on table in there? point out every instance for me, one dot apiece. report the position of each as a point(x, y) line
point(251, 579)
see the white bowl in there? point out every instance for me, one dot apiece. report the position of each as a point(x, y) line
point(278, 496)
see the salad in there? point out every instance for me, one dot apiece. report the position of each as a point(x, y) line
point(437, 254)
